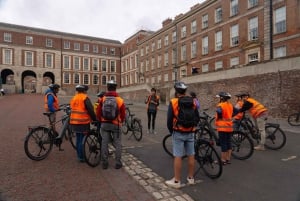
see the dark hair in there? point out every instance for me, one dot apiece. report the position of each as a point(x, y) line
point(153, 89)
point(193, 94)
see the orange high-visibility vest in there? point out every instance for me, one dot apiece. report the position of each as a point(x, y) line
point(225, 124)
point(117, 120)
point(55, 103)
point(257, 108)
point(239, 105)
point(175, 108)
point(79, 113)
point(149, 100)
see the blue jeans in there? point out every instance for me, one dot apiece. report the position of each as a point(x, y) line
point(183, 143)
point(79, 145)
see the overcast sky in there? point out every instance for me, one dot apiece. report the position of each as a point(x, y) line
point(111, 19)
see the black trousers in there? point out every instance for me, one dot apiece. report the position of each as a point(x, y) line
point(151, 116)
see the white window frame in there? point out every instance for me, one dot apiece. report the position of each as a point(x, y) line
point(86, 47)
point(205, 21)
point(29, 58)
point(174, 36)
point(234, 7)
point(234, 61)
point(152, 46)
point(104, 65)
point(252, 3)
point(7, 37)
point(158, 61)
point(76, 65)
point(152, 63)
point(234, 35)
point(7, 56)
point(95, 49)
point(158, 44)
point(280, 20)
point(183, 52)
point(218, 41)
point(77, 46)
point(194, 49)
point(29, 40)
point(103, 80)
point(193, 26)
point(205, 67)
point(113, 66)
point(112, 51)
point(66, 77)
point(280, 51)
point(183, 31)
point(166, 40)
point(253, 57)
point(95, 79)
point(66, 44)
point(95, 64)
point(104, 50)
point(66, 62)
point(86, 64)
point(86, 79)
point(218, 15)
point(166, 59)
point(49, 64)
point(218, 65)
point(49, 42)
point(76, 78)
point(205, 45)
point(253, 29)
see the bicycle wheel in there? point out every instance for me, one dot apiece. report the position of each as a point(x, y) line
point(275, 137)
point(92, 149)
point(38, 143)
point(137, 129)
point(167, 144)
point(242, 145)
point(124, 127)
point(294, 119)
point(208, 159)
point(71, 136)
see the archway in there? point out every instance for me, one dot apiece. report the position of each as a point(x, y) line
point(7, 77)
point(28, 82)
point(48, 78)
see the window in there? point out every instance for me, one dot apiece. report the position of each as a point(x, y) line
point(7, 56)
point(66, 78)
point(7, 37)
point(66, 44)
point(166, 40)
point(193, 49)
point(28, 58)
point(218, 15)
point(104, 79)
point(112, 66)
point(253, 29)
point(174, 56)
point(29, 40)
point(280, 20)
point(147, 65)
point(166, 59)
point(103, 65)
point(112, 51)
point(204, 21)
point(183, 53)
point(194, 26)
point(49, 58)
point(104, 50)
point(158, 44)
point(253, 57)
point(86, 47)
point(234, 34)
point(166, 77)
point(76, 46)
point(234, 61)
point(183, 31)
point(153, 46)
point(280, 52)
point(218, 65)
point(205, 68)
point(76, 63)
point(158, 61)
point(218, 40)
point(147, 49)
point(76, 78)
point(95, 48)
point(95, 65)
point(152, 63)
point(234, 7)
point(113, 77)
point(174, 37)
point(142, 52)
point(66, 62)
point(205, 45)
point(49, 42)
point(86, 79)
point(252, 3)
point(86, 64)
point(95, 79)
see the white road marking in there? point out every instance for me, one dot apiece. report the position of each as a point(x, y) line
point(289, 158)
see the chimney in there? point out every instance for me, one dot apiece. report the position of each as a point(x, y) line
point(166, 22)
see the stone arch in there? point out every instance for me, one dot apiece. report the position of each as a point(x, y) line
point(7, 77)
point(29, 82)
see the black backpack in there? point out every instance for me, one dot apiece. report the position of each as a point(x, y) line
point(110, 108)
point(187, 116)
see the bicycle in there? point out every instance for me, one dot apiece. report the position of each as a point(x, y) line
point(132, 124)
point(242, 145)
point(40, 139)
point(205, 154)
point(275, 136)
point(294, 119)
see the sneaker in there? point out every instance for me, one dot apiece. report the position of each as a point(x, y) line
point(104, 165)
point(118, 165)
point(153, 132)
point(148, 131)
point(190, 181)
point(260, 147)
point(173, 183)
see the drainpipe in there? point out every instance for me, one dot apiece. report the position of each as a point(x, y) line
point(271, 30)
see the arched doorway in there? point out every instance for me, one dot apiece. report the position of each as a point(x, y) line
point(28, 82)
point(48, 78)
point(7, 77)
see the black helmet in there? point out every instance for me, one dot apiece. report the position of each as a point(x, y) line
point(193, 94)
point(224, 95)
point(111, 83)
point(81, 88)
point(180, 87)
point(244, 93)
point(101, 94)
point(53, 86)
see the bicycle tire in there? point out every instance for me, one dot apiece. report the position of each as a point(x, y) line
point(167, 144)
point(137, 129)
point(242, 145)
point(275, 137)
point(71, 136)
point(294, 119)
point(124, 127)
point(42, 142)
point(208, 159)
point(92, 149)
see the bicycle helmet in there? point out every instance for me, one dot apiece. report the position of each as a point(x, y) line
point(111, 83)
point(223, 95)
point(81, 88)
point(53, 86)
point(180, 87)
point(101, 94)
point(244, 93)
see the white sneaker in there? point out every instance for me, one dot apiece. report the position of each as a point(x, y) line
point(190, 181)
point(173, 184)
point(260, 147)
point(148, 131)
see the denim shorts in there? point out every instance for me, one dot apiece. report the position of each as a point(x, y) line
point(183, 144)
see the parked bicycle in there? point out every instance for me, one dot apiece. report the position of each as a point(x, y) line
point(40, 139)
point(242, 145)
point(294, 119)
point(275, 136)
point(205, 154)
point(132, 124)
